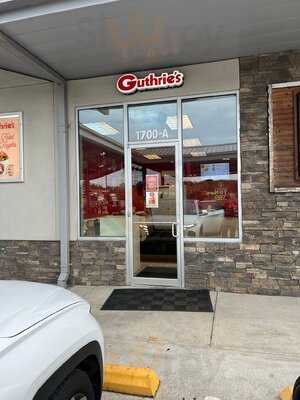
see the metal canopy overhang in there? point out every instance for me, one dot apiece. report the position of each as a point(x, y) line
point(87, 38)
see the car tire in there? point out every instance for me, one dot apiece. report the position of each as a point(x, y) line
point(77, 386)
point(296, 391)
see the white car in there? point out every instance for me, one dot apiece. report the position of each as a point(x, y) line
point(296, 391)
point(51, 347)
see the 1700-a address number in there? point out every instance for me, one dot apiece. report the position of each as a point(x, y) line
point(152, 134)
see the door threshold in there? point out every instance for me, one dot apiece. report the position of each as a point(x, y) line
point(156, 283)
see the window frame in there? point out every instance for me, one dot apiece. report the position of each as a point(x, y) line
point(240, 217)
point(297, 133)
point(93, 238)
point(273, 188)
point(179, 100)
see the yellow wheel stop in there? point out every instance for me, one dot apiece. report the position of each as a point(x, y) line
point(287, 393)
point(130, 380)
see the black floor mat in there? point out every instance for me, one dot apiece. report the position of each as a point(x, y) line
point(158, 272)
point(159, 300)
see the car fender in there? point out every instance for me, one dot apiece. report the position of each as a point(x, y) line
point(36, 354)
point(91, 349)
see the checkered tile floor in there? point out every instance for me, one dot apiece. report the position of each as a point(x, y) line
point(159, 300)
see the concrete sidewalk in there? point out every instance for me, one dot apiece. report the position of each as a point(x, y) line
point(249, 348)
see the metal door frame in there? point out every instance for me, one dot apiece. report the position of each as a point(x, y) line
point(138, 281)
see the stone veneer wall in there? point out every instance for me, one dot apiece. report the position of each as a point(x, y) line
point(98, 262)
point(268, 259)
point(37, 261)
point(92, 262)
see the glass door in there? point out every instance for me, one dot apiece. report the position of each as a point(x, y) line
point(154, 223)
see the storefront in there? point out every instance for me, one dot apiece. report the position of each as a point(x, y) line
point(138, 159)
point(158, 167)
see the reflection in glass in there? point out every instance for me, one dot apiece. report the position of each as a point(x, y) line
point(152, 122)
point(102, 187)
point(210, 168)
point(148, 164)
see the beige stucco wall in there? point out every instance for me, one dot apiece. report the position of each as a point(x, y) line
point(28, 209)
point(199, 79)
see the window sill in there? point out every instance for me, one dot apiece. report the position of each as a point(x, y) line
point(102, 238)
point(212, 240)
point(285, 190)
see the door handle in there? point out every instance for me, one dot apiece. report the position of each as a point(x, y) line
point(173, 229)
point(190, 226)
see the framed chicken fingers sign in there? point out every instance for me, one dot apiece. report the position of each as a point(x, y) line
point(11, 147)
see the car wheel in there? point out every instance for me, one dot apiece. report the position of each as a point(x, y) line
point(296, 392)
point(77, 386)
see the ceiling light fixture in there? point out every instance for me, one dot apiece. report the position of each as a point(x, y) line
point(198, 154)
point(186, 122)
point(152, 157)
point(102, 128)
point(191, 142)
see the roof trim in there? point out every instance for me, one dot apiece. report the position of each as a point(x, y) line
point(51, 8)
point(28, 58)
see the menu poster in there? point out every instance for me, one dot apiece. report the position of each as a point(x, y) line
point(214, 169)
point(152, 183)
point(10, 147)
point(152, 186)
point(151, 199)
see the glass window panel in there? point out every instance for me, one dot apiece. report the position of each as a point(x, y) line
point(102, 185)
point(210, 167)
point(153, 122)
point(154, 184)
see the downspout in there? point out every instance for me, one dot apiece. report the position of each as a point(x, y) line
point(62, 151)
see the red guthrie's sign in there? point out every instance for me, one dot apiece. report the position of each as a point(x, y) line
point(130, 83)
